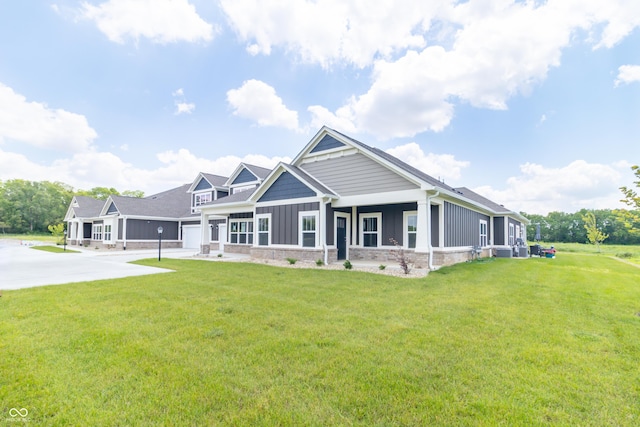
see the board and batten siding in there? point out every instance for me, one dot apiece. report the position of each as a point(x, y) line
point(462, 226)
point(140, 229)
point(498, 232)
point(392, 221)
point(284, 221)
point(356, 174)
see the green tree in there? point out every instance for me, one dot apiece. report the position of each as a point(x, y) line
point(595, 236)
point(100, 193)
point(57, 231)
point(133, 193)
point(631, 218)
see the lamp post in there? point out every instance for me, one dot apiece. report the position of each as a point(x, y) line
point(159, 242)
point(65, 241)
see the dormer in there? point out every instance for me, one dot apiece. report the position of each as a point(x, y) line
point(246, 177)
point(207, 188)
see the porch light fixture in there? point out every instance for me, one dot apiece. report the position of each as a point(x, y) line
point(159, 242)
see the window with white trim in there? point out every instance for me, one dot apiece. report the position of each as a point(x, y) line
point(202, 198)
point(241, 231)
point(97, 232)
point(410, 229)
point(264, 235)
point(107, 232)
point(512, 238)
point(483, 233)
point(370, 230)
point(308, 225)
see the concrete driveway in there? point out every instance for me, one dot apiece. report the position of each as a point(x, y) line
point(24, 267)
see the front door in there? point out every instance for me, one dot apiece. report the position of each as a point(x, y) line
point(341, 237)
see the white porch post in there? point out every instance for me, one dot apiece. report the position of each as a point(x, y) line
point(354, 227)
point(205, 237)
point(424, 226)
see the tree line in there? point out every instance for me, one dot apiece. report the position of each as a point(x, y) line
point(32, 206)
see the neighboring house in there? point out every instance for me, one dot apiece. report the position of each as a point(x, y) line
point(341, 199)
point(79, 218)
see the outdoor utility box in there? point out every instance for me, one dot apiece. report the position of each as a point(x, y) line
point(504, 252)
point(522, 252)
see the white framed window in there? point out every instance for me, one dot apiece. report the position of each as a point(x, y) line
point(371, 230)
point(241, 231)
point(263, 229)
point(410, 229)
point(107, 232)
point(202, 198)
point(97, 232)
point(512, 237)
point(308, 226)
point(483, 233)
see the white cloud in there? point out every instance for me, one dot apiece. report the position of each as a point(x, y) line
point(161, 21)
point(257, 101)
point(578, 185)
point(427, 57)
point(443, 166)
point(628, 74)
point(182, 106)
point(36, 124)
point(79, 171)
point(331, 31)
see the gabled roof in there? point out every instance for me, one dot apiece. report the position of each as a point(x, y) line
point(216, 181)
point(173, 203)
point(409, 172)
point(258, 172)
point(84, 207)
point(300, 174)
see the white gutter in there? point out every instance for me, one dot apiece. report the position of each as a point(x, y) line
point(430, 228)
point(323, 216)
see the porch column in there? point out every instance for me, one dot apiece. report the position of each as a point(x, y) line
point(205, 237)
point(424, 225)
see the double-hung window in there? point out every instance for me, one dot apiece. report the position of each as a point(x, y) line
point(410, 229)
point(241, 231)
point(483, 233)
point(308, 224)
point(202, 198)
point(370, 230)
point(264, 221)
point(97, 232)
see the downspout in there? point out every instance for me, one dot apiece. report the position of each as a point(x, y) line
point(324, 234)
point(430, 246)
point(124, 233)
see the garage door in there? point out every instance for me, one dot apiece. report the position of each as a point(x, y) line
point(191, 236)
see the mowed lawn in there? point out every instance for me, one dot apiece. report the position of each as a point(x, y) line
point(501, 341)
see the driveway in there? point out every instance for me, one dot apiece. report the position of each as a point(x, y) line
point(24, 267)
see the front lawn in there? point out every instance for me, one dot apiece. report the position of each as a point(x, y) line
point(54, 249)
point(500, 341)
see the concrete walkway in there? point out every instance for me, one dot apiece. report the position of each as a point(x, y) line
point(23, 267)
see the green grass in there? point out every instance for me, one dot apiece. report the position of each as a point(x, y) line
point(40, 237)
point(500, 341)
point(630, 253)
point(54, 249)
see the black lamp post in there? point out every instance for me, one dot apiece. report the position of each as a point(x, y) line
point(65, 241)
point(159, 242)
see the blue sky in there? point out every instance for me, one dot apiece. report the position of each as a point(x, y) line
point(534, 104)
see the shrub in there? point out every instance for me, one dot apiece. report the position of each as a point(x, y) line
point(347, 265)
point(382, 267)
point(219, 255)
point(625, 255)
point(319, 262)
point(292, 260)
point(401, 256)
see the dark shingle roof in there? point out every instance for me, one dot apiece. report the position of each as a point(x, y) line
point(258, 171)
point(173, 203)
point(88, 207)
point(215, 180)
point(471, 195)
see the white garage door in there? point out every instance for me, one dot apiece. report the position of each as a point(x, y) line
point(191, 236)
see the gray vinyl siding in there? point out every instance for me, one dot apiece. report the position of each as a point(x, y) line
point(435, 225)
point(202, 185)
point(244, 176)
point(498, 232)
point(285, 187)
point(327, 143)
point(120, 222)
point(356, 174)
point(462, 226)
point(241, 215)
point(284, 221)
point(392, 221)
point(141, 229)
